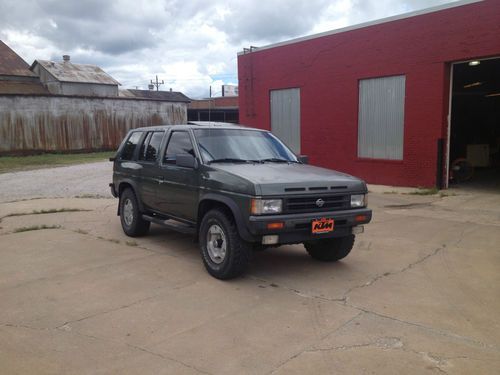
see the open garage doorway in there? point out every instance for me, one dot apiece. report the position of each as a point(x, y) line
point(474, 156)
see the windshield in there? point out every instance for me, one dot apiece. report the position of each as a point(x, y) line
point(239, 145)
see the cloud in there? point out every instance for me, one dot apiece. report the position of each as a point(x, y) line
point(191, 45)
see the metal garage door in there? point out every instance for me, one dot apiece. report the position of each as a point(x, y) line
point(285, 116)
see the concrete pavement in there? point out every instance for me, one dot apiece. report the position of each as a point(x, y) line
point(418, 294)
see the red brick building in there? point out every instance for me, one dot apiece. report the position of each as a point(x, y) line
point(392, 101)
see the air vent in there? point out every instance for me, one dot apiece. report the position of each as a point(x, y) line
point(318, 188)
point(295, 189)
point(338, 187)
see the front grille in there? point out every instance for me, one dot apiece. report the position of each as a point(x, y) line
point(308, 203)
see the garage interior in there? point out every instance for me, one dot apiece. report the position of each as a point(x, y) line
point(475, 125)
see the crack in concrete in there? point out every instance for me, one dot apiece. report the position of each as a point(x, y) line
point(373, 280)
point(431, 329)
point(135, 347)
point(66, 326)
point(169, 358)
point(51, 277)
point(321, 339)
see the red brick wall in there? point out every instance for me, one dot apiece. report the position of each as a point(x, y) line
point(327, 70)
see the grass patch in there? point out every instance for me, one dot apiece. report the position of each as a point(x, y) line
point(108, 239)
point(81, 231)
point(49, 211)
point(36, 227)
point(443, 194)
point(390, 192)
point(92, 196)
point(21, 163)
point(431, 191)
point(131, 243)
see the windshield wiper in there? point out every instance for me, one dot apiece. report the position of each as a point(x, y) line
point(276, 160)
point(229, 160)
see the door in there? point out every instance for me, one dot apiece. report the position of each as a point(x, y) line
point(148, 159)
point(178, 189)
point(285, 117)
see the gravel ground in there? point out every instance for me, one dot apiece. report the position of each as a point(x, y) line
point(71, 181)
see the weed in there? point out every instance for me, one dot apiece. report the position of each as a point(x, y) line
point(36, 227)
point(431, 191)
point(108, 239)
point(131, 243)
point(443, 194)
point(49, 211)
point(81, 231)
point(90, 196)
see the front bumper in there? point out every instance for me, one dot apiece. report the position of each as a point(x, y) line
point(298, 227)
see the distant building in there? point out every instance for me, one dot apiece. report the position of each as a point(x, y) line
point(62, 106)
point(67, 78)
point(15, 75)
point(219, 109)
point(166, 96)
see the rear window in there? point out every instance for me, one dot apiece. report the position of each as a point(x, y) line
point(130, 145)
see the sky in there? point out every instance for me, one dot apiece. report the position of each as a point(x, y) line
point(190, 44)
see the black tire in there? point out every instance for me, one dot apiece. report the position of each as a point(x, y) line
point(130, 216)
point(330, 249)
point(226, 255)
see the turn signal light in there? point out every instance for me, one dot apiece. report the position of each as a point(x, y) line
point(361, 218)
point(277, 225)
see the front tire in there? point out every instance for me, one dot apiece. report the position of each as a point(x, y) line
point(330, 249)
point(130, 216)
point(225, 255)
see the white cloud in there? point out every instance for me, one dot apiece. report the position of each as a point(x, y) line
point(189, 44)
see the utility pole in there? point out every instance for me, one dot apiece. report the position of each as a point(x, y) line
point(157, 83)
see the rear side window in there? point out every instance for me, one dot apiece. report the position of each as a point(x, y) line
point(130, 145)
point(151, 146)
point(179, 143)
point(154, 146)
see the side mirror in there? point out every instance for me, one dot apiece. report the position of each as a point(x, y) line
point(186, 161)
point(304, 159)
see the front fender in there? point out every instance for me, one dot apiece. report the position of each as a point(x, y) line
point(236, 211)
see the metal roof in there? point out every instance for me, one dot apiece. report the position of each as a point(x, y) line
point(363, 25)
point(11, 64)
point(78, 73)
point(167, 96)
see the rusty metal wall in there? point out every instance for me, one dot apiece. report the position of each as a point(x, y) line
point(48, 123)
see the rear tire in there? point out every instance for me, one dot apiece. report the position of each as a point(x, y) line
point(130, 216)
point(330, 249)
point(225, 255)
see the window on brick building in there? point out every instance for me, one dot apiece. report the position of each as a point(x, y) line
point(381, 118)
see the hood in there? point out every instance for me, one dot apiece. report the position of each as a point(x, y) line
point(280, 178)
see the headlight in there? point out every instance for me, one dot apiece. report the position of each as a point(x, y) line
point(358, 200)
point(266, 206)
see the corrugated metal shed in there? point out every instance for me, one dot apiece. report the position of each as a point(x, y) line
point(11, 64)
point(77, 73)
point(21, 87)
point(166, 96)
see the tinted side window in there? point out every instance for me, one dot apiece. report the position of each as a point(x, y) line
point(143, 146)
point(130, 145)
point(154, 146)
point(179, 143)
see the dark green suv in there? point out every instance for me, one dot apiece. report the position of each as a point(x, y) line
point(237, 189)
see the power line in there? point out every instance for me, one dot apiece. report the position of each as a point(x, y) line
point(157, 83)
